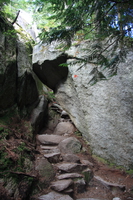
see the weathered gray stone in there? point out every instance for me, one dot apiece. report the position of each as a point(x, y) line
point(103, 112)
point(27, 87)
point(39, 114)
point(86, 162)
point(71, 158)
point(70, 145)
point(53, 157)
point(80, 185)
point(70, 167)
point(26, 22)
point(61, 184)
point(8, 87)
point(52, 150)
point(68, 191)
point(45, 170)
point(89, 199)
point(64, 128)
point(11, 186)
point(50, 139)
point(28, 96)
point(56, 196)
point(8, 65)
point(116, 198)
point(17, 85)
point(69, 175)
point(46, 147)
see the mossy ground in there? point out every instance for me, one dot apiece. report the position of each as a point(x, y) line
point(16, 151)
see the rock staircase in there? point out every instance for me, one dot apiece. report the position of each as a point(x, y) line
point(61, 149)
point(73, 172)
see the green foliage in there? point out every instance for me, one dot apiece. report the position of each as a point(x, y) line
point(51, 96)
point(102, 22)
point(21, 147)
point(10, 33)
point(99, 21)
point(130, 172)
point(4, 132)
point(78, 133)
point(5, 162)
point(64, 65)
point(99, 159)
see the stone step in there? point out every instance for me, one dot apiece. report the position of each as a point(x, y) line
point(86, 162)
point(47, 151)
point(63, 128)
point(70, 145)
point(50, 139)
point(70, 167)
point(71, 158)
point(61, 185)
point(54, 195)
point(89, 199)
point(46, 147)
point(53, 157)
point(69, 175)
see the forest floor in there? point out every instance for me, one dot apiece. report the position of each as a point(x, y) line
point(111, 174)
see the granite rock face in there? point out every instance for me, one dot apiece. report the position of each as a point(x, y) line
point(102, 112)
point(8, 66)
point(18, 87)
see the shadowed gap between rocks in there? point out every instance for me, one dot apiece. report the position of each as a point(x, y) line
point(51, 73)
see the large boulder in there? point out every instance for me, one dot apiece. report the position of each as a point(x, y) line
point(18, 87)
point(8, 65)
point(102, 112)
point(28, 94)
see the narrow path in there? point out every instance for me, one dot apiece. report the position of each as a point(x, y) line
point(78, 175)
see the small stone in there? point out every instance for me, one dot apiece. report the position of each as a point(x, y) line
point(61, 184)
point(116, 198)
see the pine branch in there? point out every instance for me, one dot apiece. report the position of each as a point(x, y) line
point(96, 26)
